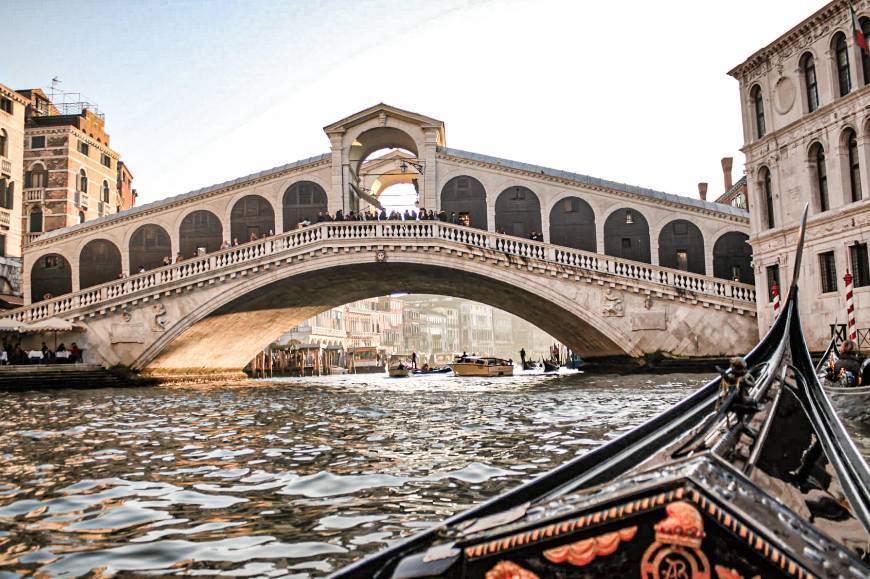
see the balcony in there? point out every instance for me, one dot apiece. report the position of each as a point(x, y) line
point(31, 237)
point(34, 195)
point(102, 208)
point(81, 199)
point(5, 220)
point(6, 166)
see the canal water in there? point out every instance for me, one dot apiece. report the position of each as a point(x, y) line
point(290, 478)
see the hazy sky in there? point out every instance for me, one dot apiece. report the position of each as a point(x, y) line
point(198, 92)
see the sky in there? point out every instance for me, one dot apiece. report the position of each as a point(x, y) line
point(200, 92)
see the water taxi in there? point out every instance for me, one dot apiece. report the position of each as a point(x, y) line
point(365, 360)
point(481, 366)
point(400, 366)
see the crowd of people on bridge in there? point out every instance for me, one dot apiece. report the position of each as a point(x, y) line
point(371, 214)
point(12, 353)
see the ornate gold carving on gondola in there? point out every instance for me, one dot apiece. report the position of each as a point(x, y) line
point(509, 570)
point(584, 552)
point(676, 552)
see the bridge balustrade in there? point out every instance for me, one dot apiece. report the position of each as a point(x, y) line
point(386, 230)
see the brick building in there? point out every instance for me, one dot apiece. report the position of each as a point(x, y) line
point(12, 112)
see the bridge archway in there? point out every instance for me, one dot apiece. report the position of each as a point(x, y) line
point(302, 200)
point(626, 235)
point(250, 315)
point(465, 195)
point(681, 246)
point(251, 215)
point(572, 224)
point(200, 228)
point(149, 246)
point(732, 257)
point(99, 262)
point(518, 211)
point(51, 275)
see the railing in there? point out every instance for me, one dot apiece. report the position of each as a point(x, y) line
point(102, 208)
point(6, 166)
point(34, 195)
point(80, 198)
point(388, 232)
point(31, 237)
point(4, 218)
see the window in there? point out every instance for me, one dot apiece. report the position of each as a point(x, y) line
point(519, 194)
point(570, 205)
point(105, 191)
point(51, 262)
point(821, 178)
point(4, 143)
point(854, 166)
point(81, 216)
point(3, 246)
point(767, 196)
point(106, 160)
point(865, 60)
point(7, 194)
point(83, 181)
point(841, 58)
point(758, 105)
point(860, 265)
point(828, 270)
point(772, 281)
point(810, 82)
point(6, 105)
point(36, 178)
point(84, 149)
point(681, 228)
point(37, 142)
point(626, 245)
point(36, 221)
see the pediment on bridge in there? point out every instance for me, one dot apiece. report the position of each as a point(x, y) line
point(384, 111)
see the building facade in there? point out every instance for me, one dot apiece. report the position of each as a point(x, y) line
point(804, 101)
point(12, 113)
point(71, 173)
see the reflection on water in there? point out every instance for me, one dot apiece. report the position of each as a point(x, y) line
point(291, 478)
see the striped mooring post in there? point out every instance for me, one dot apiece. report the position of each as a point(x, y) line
point(850, 308)
point(774, 289)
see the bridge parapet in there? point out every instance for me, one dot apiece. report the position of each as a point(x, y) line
point(348, 234)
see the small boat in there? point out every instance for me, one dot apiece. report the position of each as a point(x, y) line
point(399, 366)
point(365, 360)
point(853, 402)
point(753, 475)
point(550, 366)
point(481, 366)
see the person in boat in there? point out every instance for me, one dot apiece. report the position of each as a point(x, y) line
point(414, 360)
point(523, 356)
point(847, 370)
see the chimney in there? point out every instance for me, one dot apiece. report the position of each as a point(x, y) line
point(702, 191)
point(727, 163)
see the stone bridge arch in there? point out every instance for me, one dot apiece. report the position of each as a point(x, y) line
point(238, 322)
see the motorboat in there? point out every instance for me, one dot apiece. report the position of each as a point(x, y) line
point(426, 370)
point(753, 475)
point(399, 366)
point(481, 366)
point(365, 360)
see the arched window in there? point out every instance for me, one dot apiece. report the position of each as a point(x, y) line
point(81, 216)
point(36, 177)
point(808, 66)
point(732, 258)
point(4, 143)
point(681, 246)
point(252, 217)
point(626, 235)
point(841, 60)
point(766, 187)
point(83, 181)
point(99, 262)
point(303, 200)
point(758, 108)
point(572, 224)
point(35, 221)
point(850, 139)
point(466, 197)
point(865, 60)
point(817, 162)
point(149, 246)
point(105, 191)
point(200, 229)
point(518, 212)
point(50, 277)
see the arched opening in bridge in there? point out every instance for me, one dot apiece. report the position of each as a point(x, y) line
point(252, 217)
point(50, 276)
point(626, 235)
point(200, 230)
point(149, 247)
point(303, 200)
point(681, 246)
point(572, 224)
point(732, 257)
point(99, 262)
point(465, 197)
point(378, 159)
point(518, 212)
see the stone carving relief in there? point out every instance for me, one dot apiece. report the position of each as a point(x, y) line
point(126, 315)
point(127, 333)
point(647, 302)
point(613, 306)
point(159, 322)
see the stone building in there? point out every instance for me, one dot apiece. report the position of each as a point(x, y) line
point(70, 171)
point(12, 108)
point(126, 195)
point(804, 100)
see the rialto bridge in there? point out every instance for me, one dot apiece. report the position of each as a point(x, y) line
point(621, 269)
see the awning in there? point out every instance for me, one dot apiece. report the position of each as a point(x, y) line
point(10, 325)
point(51, 325)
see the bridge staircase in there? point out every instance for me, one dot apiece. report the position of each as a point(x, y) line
point(50, 376)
